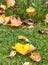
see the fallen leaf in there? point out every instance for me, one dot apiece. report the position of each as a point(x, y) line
point(6, 20)
point(21, 48)
point(3, 6)
point(23, 38)
point(30, 27)
point(32, 48)
point(30, 11)
point(10, 3)
point(12, 21)
point(2, 17)
point(28, 21)
point(26, 63)
point(19, 21)
point(2, 9)
point(45, 31)
point(12, 54)
point(35, 57)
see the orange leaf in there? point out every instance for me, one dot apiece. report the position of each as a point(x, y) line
point(35, 57)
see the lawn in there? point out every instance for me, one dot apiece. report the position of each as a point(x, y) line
point(8, 37)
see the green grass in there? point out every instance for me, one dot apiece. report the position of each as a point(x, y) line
point(8, 37)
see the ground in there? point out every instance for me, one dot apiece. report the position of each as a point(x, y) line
point(8, 37)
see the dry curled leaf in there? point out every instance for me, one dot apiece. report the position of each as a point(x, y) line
point(6, 20)
point(19, 22)
point(45, 31)
point(10, 3)
point(28, 21)
point(12, 54)
point(32, 48)
point(23, 38)
point(35, 57)
point(12, 21)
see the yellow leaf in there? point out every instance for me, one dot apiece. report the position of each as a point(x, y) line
point(21, 48)
point(23, 38)
point(3, 7)
point(30, 11)
point(2, 17)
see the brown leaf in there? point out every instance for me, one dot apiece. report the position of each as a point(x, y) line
point(2, 11)
point(35, 57)
point(45, 31)
point(28, 21)
point(19, 21)
point(12, 21)
point(7, 20)
point(32, 48)
point(12, 54)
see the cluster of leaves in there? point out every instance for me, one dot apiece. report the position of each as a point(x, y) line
point(23, 4)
